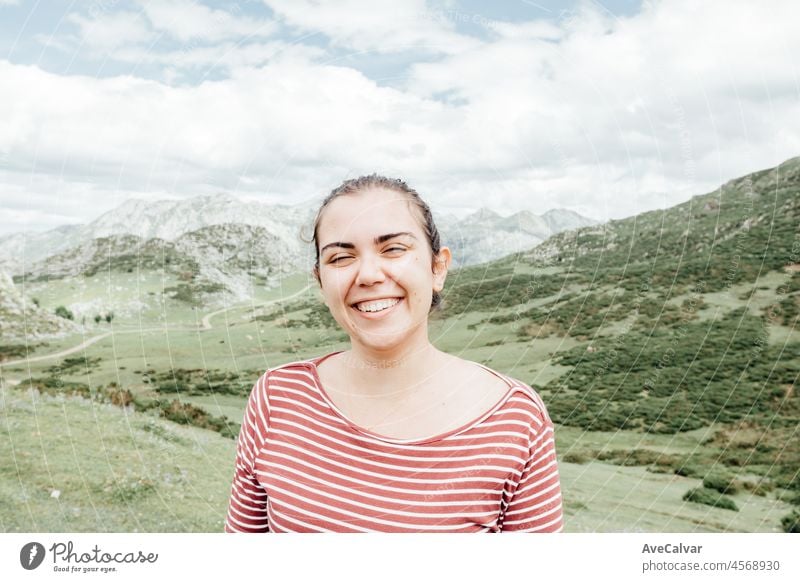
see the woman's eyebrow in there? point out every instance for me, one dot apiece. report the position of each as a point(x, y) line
point(378, 240)
point(384, 237)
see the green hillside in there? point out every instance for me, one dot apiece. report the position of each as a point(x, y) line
point(683, 318)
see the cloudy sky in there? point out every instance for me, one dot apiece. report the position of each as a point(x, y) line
point(608, 108)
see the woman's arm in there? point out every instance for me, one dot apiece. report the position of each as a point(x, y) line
point(247, 509)
point(535, 505)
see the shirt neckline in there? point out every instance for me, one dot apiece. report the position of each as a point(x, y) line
point(314, 362)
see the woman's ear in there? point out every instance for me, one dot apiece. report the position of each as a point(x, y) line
point(315, 272)
point(440, 266)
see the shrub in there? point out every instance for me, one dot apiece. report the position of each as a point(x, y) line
point(661, 469)
point(709, 497)
point(56, 386)
point(13, 351)
point(760, 488)
point(62, 311)
point(185, 413)
point(638, 457)
point(791, 522)
point(172, 388)
point(76, 365)
point(576, 457)
point(721, 482)
point(689, 470)
point(119, 396)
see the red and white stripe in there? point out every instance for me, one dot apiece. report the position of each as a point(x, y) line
point(301, 466)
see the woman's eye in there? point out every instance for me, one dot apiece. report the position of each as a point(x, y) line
point(339, 258)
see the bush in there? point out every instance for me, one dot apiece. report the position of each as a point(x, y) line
point(54, 386)
point(760, 488)
point(13, 351)
point(119, 396)
point(721, 482)
point(689, 470)
point(185, 413)
point(638, 458)
point(709, 497)
point(173, 388)
point(62, 311)
point(576, 457)
point(76, 365)
point(791, 522)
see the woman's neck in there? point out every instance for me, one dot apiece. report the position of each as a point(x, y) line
point(390, 373)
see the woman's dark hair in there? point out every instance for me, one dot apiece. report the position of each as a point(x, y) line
point(373, 181)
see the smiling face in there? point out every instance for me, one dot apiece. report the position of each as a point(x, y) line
point(376, 269)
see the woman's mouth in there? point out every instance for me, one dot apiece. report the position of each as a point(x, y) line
point(377, 306)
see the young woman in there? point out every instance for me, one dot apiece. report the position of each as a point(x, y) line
point(392, 435)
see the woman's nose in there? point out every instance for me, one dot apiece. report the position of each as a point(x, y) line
point(370, 271)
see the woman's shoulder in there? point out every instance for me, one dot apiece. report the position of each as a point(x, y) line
point(297, 370)
point(519, 394)
point(295, 365)
point(284, 378)
point(481, 384)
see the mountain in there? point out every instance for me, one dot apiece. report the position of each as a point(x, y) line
point(23, 320)
point(485, 235)
point(560, 219)
point(20, 249)
point(222, 259)
point(165, 219)
point(745, 227)
point(479, 237)
point(237, 256)
point(169, 219)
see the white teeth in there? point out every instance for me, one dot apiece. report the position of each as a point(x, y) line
point(380, 305)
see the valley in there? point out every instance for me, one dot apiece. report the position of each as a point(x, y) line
point(666, 347)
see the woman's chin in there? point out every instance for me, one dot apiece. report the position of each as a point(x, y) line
point(384, 341)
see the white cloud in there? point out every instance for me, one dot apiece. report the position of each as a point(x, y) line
point(604, 116)
point(187, 20)
point(39, 199)
point(288, 128)
point(536, 29)
point(121, 34)
point(679, 97)
point(229, 55)
point(109, 30)
point(381, 26)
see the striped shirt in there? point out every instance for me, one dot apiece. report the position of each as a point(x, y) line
point(302, 466)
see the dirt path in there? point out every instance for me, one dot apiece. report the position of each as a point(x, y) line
point(206, 322)
point(205, 325)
